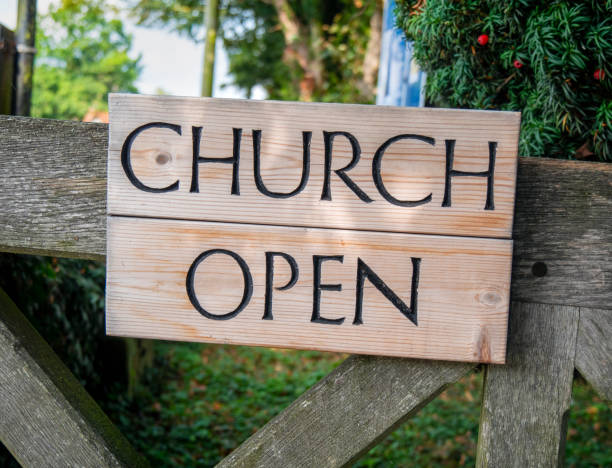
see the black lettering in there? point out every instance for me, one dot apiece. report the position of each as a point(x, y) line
point(306, 137)
point(126, 162)
point(450, 172)
point(246, 274)
point(364, 271)
point(376, 167)
point(270, 278)
point(196, 133)
point(328, 138)
point(317, 260)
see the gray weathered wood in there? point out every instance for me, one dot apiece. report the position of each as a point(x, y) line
point(53, 192)
point(563, 219)
point(52, 201)
point(347, 413)
point(594, 349)
point(47, 418)
point(526, 401)
point(53, 187)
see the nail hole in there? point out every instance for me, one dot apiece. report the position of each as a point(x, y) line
point(539, 269)
point(162, 158)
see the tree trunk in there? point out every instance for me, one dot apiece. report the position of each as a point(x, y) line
point(372, 56)
point(7, 61)
point(302, 45)
point(26, 31)
point(212, 25)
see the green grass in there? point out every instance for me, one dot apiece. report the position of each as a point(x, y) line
point(202, 401)
point(589, 435)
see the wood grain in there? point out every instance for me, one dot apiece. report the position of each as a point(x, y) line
point(523, 418)
point(411, 169)
point(53, 192)
point(462, 289)
point(344, 415)
point(47, 418)
point(53, 187)
point(563, 220)
point(594, 350)
point(53, 184)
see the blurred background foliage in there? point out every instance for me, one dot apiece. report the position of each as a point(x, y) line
point(64, 300)
point(305, 49)
point(198, 402)
point(82, 56)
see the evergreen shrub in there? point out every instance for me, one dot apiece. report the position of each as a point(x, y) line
point(548, 59)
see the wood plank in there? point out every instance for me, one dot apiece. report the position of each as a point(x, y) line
point(594, 350)
point(48, 419)
point(526, 402)
point(53, 192)
point(577, 191)
point(53, 187)
point(413, 168)
point(348, 412)
point(461, 299)
point(563, 231)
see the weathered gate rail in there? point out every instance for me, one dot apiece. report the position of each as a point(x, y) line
point(52, 202)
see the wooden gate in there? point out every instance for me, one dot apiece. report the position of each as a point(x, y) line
point(52, 202)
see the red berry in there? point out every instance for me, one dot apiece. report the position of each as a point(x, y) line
point(599, 74)
point(483, 39)
point(517, 63)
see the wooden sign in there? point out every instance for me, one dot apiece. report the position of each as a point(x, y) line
point(353, 228)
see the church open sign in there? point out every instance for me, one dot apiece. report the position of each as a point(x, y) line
point(353, 228)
